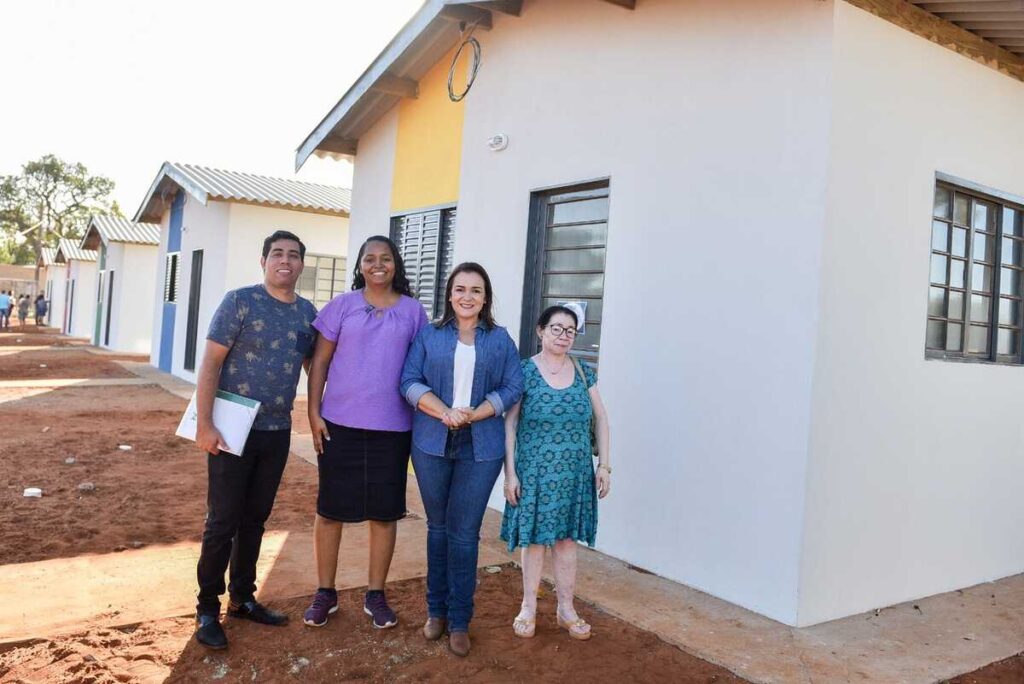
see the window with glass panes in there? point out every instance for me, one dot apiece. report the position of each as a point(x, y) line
point(977, 260)
point(565, 261)
point(322, 278)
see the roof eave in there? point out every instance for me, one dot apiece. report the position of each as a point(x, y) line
point(377, 71)
point(154, 204)
point(92, 238)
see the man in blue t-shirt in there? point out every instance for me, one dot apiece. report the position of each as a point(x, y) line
point(5, 309)
point(259, 340)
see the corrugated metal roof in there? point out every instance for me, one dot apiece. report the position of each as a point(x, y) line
point(117, 229)
point(48, 256)
point(69, 249)
point(205, 183)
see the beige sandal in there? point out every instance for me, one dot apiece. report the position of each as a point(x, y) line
point(524, 628)
point(578, 629)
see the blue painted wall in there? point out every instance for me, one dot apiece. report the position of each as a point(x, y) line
point(171, 308)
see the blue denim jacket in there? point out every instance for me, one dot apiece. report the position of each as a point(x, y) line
point(497, 377)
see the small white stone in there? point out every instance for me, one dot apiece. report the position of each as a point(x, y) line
point(70, 460)
point(33, 492)
point(87, 487)
point(125, 447)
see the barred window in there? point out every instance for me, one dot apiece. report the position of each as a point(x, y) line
point(322, 278)
point(977, 261)
point(565, 259)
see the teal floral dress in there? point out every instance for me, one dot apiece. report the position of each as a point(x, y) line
point(554, 464)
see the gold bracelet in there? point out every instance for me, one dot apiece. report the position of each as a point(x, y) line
point(607, 468)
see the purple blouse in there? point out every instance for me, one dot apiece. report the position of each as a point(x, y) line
point(363, 379)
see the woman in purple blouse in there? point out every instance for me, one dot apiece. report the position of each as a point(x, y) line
point(361, 424)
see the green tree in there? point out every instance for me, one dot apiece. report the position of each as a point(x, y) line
point(50, 199)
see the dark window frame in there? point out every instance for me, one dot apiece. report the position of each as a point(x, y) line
point(541, 203)
point(999, 233)
point(195, 289)
point(312, 271)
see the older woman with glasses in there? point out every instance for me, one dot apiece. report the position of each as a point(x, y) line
point(551, 488)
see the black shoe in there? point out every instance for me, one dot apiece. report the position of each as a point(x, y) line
point(209, 632)
point(257, 612)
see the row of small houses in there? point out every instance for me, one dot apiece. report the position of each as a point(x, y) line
point(798, 227)
point(151, 284)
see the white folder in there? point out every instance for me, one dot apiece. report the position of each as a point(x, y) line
point(233, 416)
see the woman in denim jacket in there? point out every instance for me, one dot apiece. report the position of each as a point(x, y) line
point(461, 375)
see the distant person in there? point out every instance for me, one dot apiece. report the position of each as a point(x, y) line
point(10, 307)
point(41, 309)
point(259, 340)
point(5, 310)
point(23, 304)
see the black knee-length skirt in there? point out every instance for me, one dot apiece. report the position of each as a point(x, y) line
point(363, 474)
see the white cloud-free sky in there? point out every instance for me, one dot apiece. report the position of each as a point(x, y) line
point(124, 85)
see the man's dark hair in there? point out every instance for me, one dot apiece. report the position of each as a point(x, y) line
point(283, 235)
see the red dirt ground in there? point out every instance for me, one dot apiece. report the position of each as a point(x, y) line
point(73, 364)
point(348, 649)
point(37, 337)
point(89, 424)
point(1009, 671)
point(155, 493)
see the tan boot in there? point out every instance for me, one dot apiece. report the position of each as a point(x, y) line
point(458, 643)
point(434, 628)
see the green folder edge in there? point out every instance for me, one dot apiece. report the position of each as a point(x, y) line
point(238, 399)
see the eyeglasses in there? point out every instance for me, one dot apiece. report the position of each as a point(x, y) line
point(558, 331)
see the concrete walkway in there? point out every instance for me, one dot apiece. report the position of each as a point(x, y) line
point(925, 641)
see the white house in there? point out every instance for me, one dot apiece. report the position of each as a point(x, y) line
point(127, 270)
point(79, 319)
point(212, 225)
point(54, 277)
point(797, 226)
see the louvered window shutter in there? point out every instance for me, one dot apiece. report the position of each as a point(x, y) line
point(426, 242)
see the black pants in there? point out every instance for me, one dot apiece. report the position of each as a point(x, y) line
point(240, 496)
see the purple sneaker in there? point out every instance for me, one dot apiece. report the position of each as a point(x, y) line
point(324, 603)
point(376, 606)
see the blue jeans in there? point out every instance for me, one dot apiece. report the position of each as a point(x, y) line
point(454, 489)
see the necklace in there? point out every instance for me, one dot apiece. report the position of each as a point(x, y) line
point(554, 373)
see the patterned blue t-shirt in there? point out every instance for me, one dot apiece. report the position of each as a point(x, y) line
point(269, 340)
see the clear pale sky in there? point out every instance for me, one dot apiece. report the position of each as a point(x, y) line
point(124, 85)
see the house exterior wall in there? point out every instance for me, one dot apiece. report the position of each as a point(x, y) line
point(428, 141)
point(250, 225)
point(157, 299)
point(130, 310)
point(914, 464)
point(204, 227)
point(56, 278)
point(711, 206)
point(83, 314)
point(231, 236)
point(371, 185)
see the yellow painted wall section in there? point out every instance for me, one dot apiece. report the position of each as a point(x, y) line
point(428, 149)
